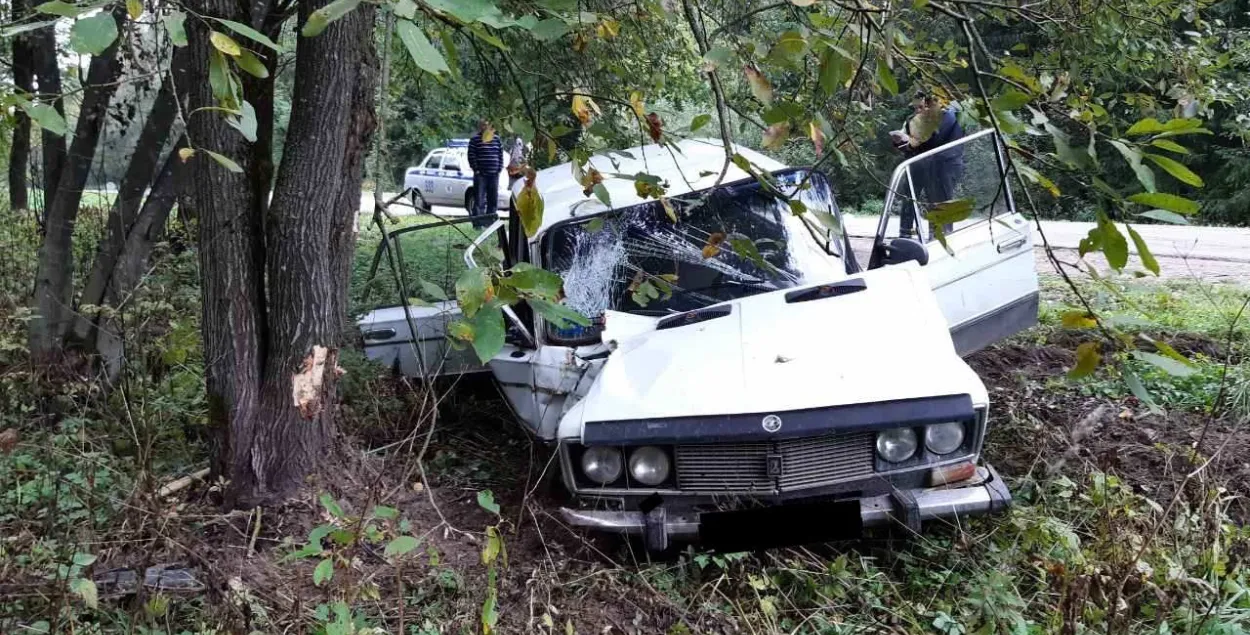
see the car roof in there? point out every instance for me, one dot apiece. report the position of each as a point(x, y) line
point(687, 166)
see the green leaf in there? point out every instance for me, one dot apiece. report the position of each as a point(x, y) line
point(1133, 157)
point(1170, 146)
point(486, 500)
point(1176, 169)
point(423, 53)
point(1147, 259)
point(1009, 101)
point(175, 24)
point(1079, 159)
point(488, 332)
point(1170, 202)
point(834, 71)
point(1165, 216)
point(529, 204)
point(532, 280)
point(471, 290)
point(406, 9)
point(225, 43)
point(224, 161)
point(83, 559)
point(321, 19)
point(251, 34)
point(1114, 245)
point(93, 35)
point(558, 314)
point(1087, 359)
point(318, 533)
point(1166, 364)
point(246, 123)
point(307, 551)
point(400, 546)
point(601, 192)
point(1077, 320)
point(1149, 125)
point(134, 8)
point(949, 212)
point(432, 290)
point(494, 546)
point(323, 572)
point(1135, 386)
point(1038, 178)
point(385, 513)
point(63, 9)
point(251, 65)
point(46, 116)
point(549, 29)
point(699, 121)
point(219, 77)
point(331, 506)
point(886, 77)
point(464, 10)
point(86, 590)
point(717, 57)
point(789, 48)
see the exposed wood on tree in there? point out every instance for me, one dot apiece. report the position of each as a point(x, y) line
point(54, 281)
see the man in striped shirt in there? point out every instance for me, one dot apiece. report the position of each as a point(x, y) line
point(486, 161)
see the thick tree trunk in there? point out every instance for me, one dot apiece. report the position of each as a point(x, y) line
point(131, 262)
point(122, 217)
point(271, 356)
point(54, 280)
point(231, 283)
point(307, 231)
point(42, 47)
point(19, 151)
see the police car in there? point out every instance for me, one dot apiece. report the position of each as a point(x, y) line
point(444, 178)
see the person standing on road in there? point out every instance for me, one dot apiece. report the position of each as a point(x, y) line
point(486, 161)
point(516, 161)
point(936, 177)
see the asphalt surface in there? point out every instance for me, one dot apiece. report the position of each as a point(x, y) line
point(1214, 254)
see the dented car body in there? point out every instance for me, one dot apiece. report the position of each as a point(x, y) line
point(747, 380)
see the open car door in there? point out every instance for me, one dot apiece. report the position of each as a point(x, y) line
point(985, 277)
point(428, 257)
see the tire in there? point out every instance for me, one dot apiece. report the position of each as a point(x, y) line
point(470, 199)
point(419, 202)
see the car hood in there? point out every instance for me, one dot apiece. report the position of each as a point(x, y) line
point(886, 342)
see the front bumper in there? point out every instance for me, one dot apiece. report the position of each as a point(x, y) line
point(982, 494)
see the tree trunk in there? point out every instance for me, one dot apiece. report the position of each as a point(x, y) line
point(308, 230)
point(271, 356)
point(231, 283)
point(54, 280)
point(42, 47)
point(19, 152)
point(122, 216)
point(131, 262)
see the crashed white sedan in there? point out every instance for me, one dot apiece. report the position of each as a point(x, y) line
point(748, 381)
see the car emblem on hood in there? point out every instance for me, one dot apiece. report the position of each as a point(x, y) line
point(771, 423)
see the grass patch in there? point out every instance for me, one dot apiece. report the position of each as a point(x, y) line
point(434, 256)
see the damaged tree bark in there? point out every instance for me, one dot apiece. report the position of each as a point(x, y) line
point(54, 281)
point(272, 333)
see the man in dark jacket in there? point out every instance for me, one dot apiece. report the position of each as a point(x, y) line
point(486, 161)
point(934, 178)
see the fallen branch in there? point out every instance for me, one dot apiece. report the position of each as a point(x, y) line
point(180, 484)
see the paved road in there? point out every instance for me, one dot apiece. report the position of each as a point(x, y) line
point(1217, 254)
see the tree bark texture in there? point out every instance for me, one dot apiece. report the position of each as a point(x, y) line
point(272, 333)
point(54, 280)
point(231, 283)
point(43, 53)
point(19, 151)
point(131, 263)
point(139, 175)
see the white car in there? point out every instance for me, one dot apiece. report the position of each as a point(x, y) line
point(789, 396)
point(444, 178)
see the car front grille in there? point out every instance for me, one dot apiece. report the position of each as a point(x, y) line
point(804, 463)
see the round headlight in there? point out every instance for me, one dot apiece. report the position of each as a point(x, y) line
point(944, 438)
point(896, 445)
point(602, 464)
point(649, 465)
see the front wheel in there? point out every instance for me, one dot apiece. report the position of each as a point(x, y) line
point(419, 203)
point(470, 201)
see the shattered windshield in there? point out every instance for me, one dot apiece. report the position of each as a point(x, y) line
point(740, 241)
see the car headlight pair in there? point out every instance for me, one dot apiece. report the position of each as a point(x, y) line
point(899, 444)
point(648, 465)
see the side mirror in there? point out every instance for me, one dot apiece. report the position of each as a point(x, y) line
point(902, 250)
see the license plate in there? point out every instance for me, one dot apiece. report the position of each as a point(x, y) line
point(780, 526)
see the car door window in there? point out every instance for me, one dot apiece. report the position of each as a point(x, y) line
point(435, 162)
